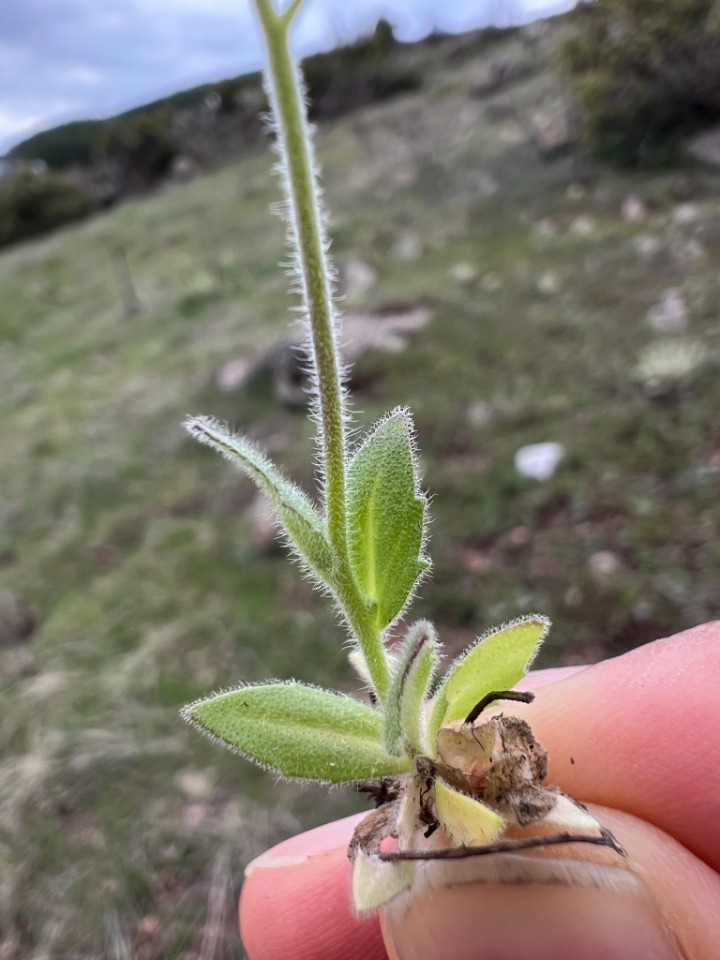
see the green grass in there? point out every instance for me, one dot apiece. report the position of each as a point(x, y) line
point(127, 584)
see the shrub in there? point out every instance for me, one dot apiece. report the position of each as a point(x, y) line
point(645, 73)
point(33, 204)
point(142, 146)
point(366, 71)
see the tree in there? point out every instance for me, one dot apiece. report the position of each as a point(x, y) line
point(645, 73)
point(32, 204)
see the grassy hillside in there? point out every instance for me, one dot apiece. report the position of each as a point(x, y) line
point(128, 583)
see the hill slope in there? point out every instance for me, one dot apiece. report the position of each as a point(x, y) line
point(128, 582)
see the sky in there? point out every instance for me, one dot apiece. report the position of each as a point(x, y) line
point(63, 60)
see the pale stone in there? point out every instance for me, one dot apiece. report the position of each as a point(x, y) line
point(633, 209)
point(705, 147)
point(263, 524)
point(194, 784)
point(545, 227)
point(539, 461)
point(583, 226)
point(686, 213)
point(553, 134)
point(689, 250)
point(407, 247)
point(233, 375)
point(604, 564)
point(548, 283)
point(356, 278)
point(519, 537)
point(647, 245)
point(671, 314)
point(463, 272)
point(480, 414)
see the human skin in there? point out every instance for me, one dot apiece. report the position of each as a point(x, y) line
point(638, 739)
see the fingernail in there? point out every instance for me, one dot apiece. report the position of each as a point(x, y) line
point(299, 849)
point(515, 921)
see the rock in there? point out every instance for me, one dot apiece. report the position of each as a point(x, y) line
point(548, 283)
point(554, 134)
point(194, 784)
point(463, 272)
point(573, 597)
point(356, 277)
point(687, 250)
point(583, 226)
point(671, 314)
point(685, 213)
point(545, 227)
point(387, 329)
point(494, 75)
point(539, 461)
point(480, 414)
point(407, 247)
point(705, 147)
point(519, 537)
point(475, 561)
point(633, 209)
point(183, 168)
point(263, 525)
point(148, 927)
point(195, 815)
point(603, 565)
point(233, 375)
point(647, 245)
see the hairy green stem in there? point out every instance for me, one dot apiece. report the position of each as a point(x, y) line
point(313, 264)
point(314, 269)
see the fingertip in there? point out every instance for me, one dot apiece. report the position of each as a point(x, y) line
point(636, 732)
point(295, 902)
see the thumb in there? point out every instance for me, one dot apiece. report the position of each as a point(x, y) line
point(664, 907)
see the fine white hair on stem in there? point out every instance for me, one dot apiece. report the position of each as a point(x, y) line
point(294, 266)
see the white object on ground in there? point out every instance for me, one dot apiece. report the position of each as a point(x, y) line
point(539, 460)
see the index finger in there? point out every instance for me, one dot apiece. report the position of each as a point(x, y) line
point(641, 733)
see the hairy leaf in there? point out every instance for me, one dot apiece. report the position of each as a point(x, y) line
point(413, 672)
point(386, 517)
point(299, 518)
point(496, 662)
point(299, 731)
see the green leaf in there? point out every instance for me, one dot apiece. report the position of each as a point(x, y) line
point(496, 662)
point(386, 517)
point(413, 672)
point(299, 731)
point(299, 518)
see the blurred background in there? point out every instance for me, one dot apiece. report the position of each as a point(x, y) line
point(526, 222)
